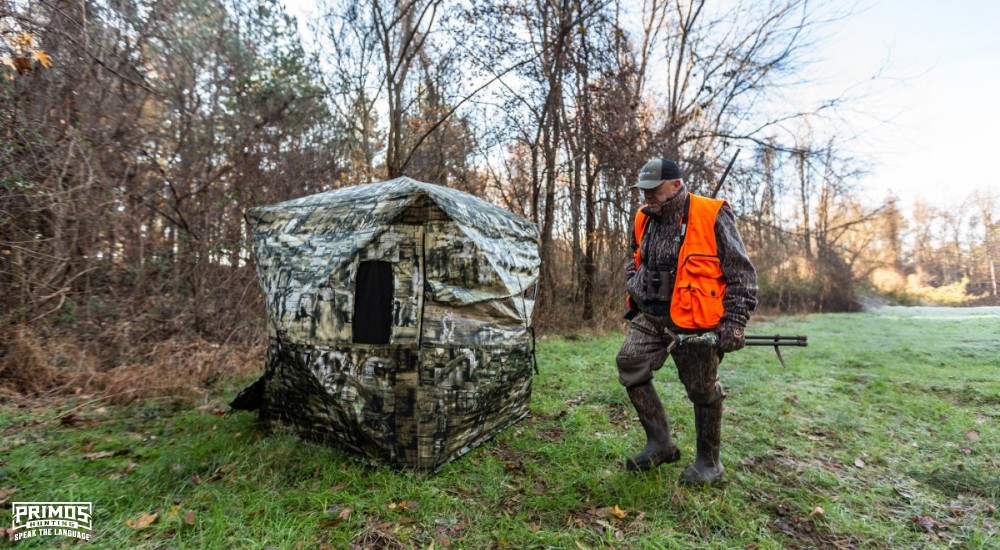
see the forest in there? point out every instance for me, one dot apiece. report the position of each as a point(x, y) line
point(137, 133)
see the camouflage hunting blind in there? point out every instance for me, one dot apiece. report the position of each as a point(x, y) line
point(398, 320)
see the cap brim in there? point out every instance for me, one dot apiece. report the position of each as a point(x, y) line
point(648, 184)
point(652, 184)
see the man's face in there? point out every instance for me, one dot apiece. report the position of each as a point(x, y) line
point(658, 195)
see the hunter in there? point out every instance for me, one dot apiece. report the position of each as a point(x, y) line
point(689, 274)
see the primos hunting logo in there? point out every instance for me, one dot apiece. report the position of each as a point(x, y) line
point(69, 519)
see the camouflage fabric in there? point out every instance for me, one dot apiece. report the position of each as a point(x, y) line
point(456, 369)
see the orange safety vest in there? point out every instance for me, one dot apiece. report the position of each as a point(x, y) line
point(696, 301)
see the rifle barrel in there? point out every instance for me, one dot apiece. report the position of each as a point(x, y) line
point(770, 343)
point(722, 180)
point(776, 340)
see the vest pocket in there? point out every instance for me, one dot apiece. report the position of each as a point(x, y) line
point(699, 292)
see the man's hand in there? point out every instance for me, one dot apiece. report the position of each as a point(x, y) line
point(630, 309)
point(731, 336)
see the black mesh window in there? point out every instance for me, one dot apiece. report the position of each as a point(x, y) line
point(373, 303)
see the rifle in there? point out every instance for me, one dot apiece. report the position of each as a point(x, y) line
point(710, 339)
point(724, 174)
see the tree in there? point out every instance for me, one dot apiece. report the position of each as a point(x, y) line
point(136, 156)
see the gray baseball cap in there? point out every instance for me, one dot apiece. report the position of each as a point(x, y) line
point(656, 172)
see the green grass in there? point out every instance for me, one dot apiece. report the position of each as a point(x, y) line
point(887, 422)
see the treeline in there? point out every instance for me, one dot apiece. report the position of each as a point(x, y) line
point(137, 133)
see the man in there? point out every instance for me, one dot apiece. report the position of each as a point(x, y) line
point(689, 274)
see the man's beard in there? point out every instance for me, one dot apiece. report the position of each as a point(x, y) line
point(656, 207)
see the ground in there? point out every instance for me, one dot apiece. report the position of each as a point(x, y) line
point(882, 433)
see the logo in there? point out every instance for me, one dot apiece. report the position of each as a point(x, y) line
point(68, 519)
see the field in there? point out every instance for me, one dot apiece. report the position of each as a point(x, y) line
point(883, 433)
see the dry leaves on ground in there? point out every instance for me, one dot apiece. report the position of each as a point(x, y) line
point(144, 520)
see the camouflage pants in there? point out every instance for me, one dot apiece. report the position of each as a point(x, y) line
point(645, 351)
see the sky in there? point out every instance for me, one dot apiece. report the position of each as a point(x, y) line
point(929, 124)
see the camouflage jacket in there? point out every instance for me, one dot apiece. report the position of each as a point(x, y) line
point(661, 245)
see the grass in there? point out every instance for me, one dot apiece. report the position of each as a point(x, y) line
point(882, 433)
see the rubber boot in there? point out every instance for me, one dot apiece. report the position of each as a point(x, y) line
point(706, 468)
point(660, 447)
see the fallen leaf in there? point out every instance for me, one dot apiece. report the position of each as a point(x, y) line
point(902, 493)
point(618, 512)
point(928, 524)
point(72, 420)
point(43, 58)
point(22, 64)
point(100, 454)
point(576, 401)
point(923, 522)
point(145, 520)
point(345, 514)
point(189, 518)
point(23, 40)
point(817, 511)
point(783, 526)
point(972, 435)
point(859, 463)
point(106, 454)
